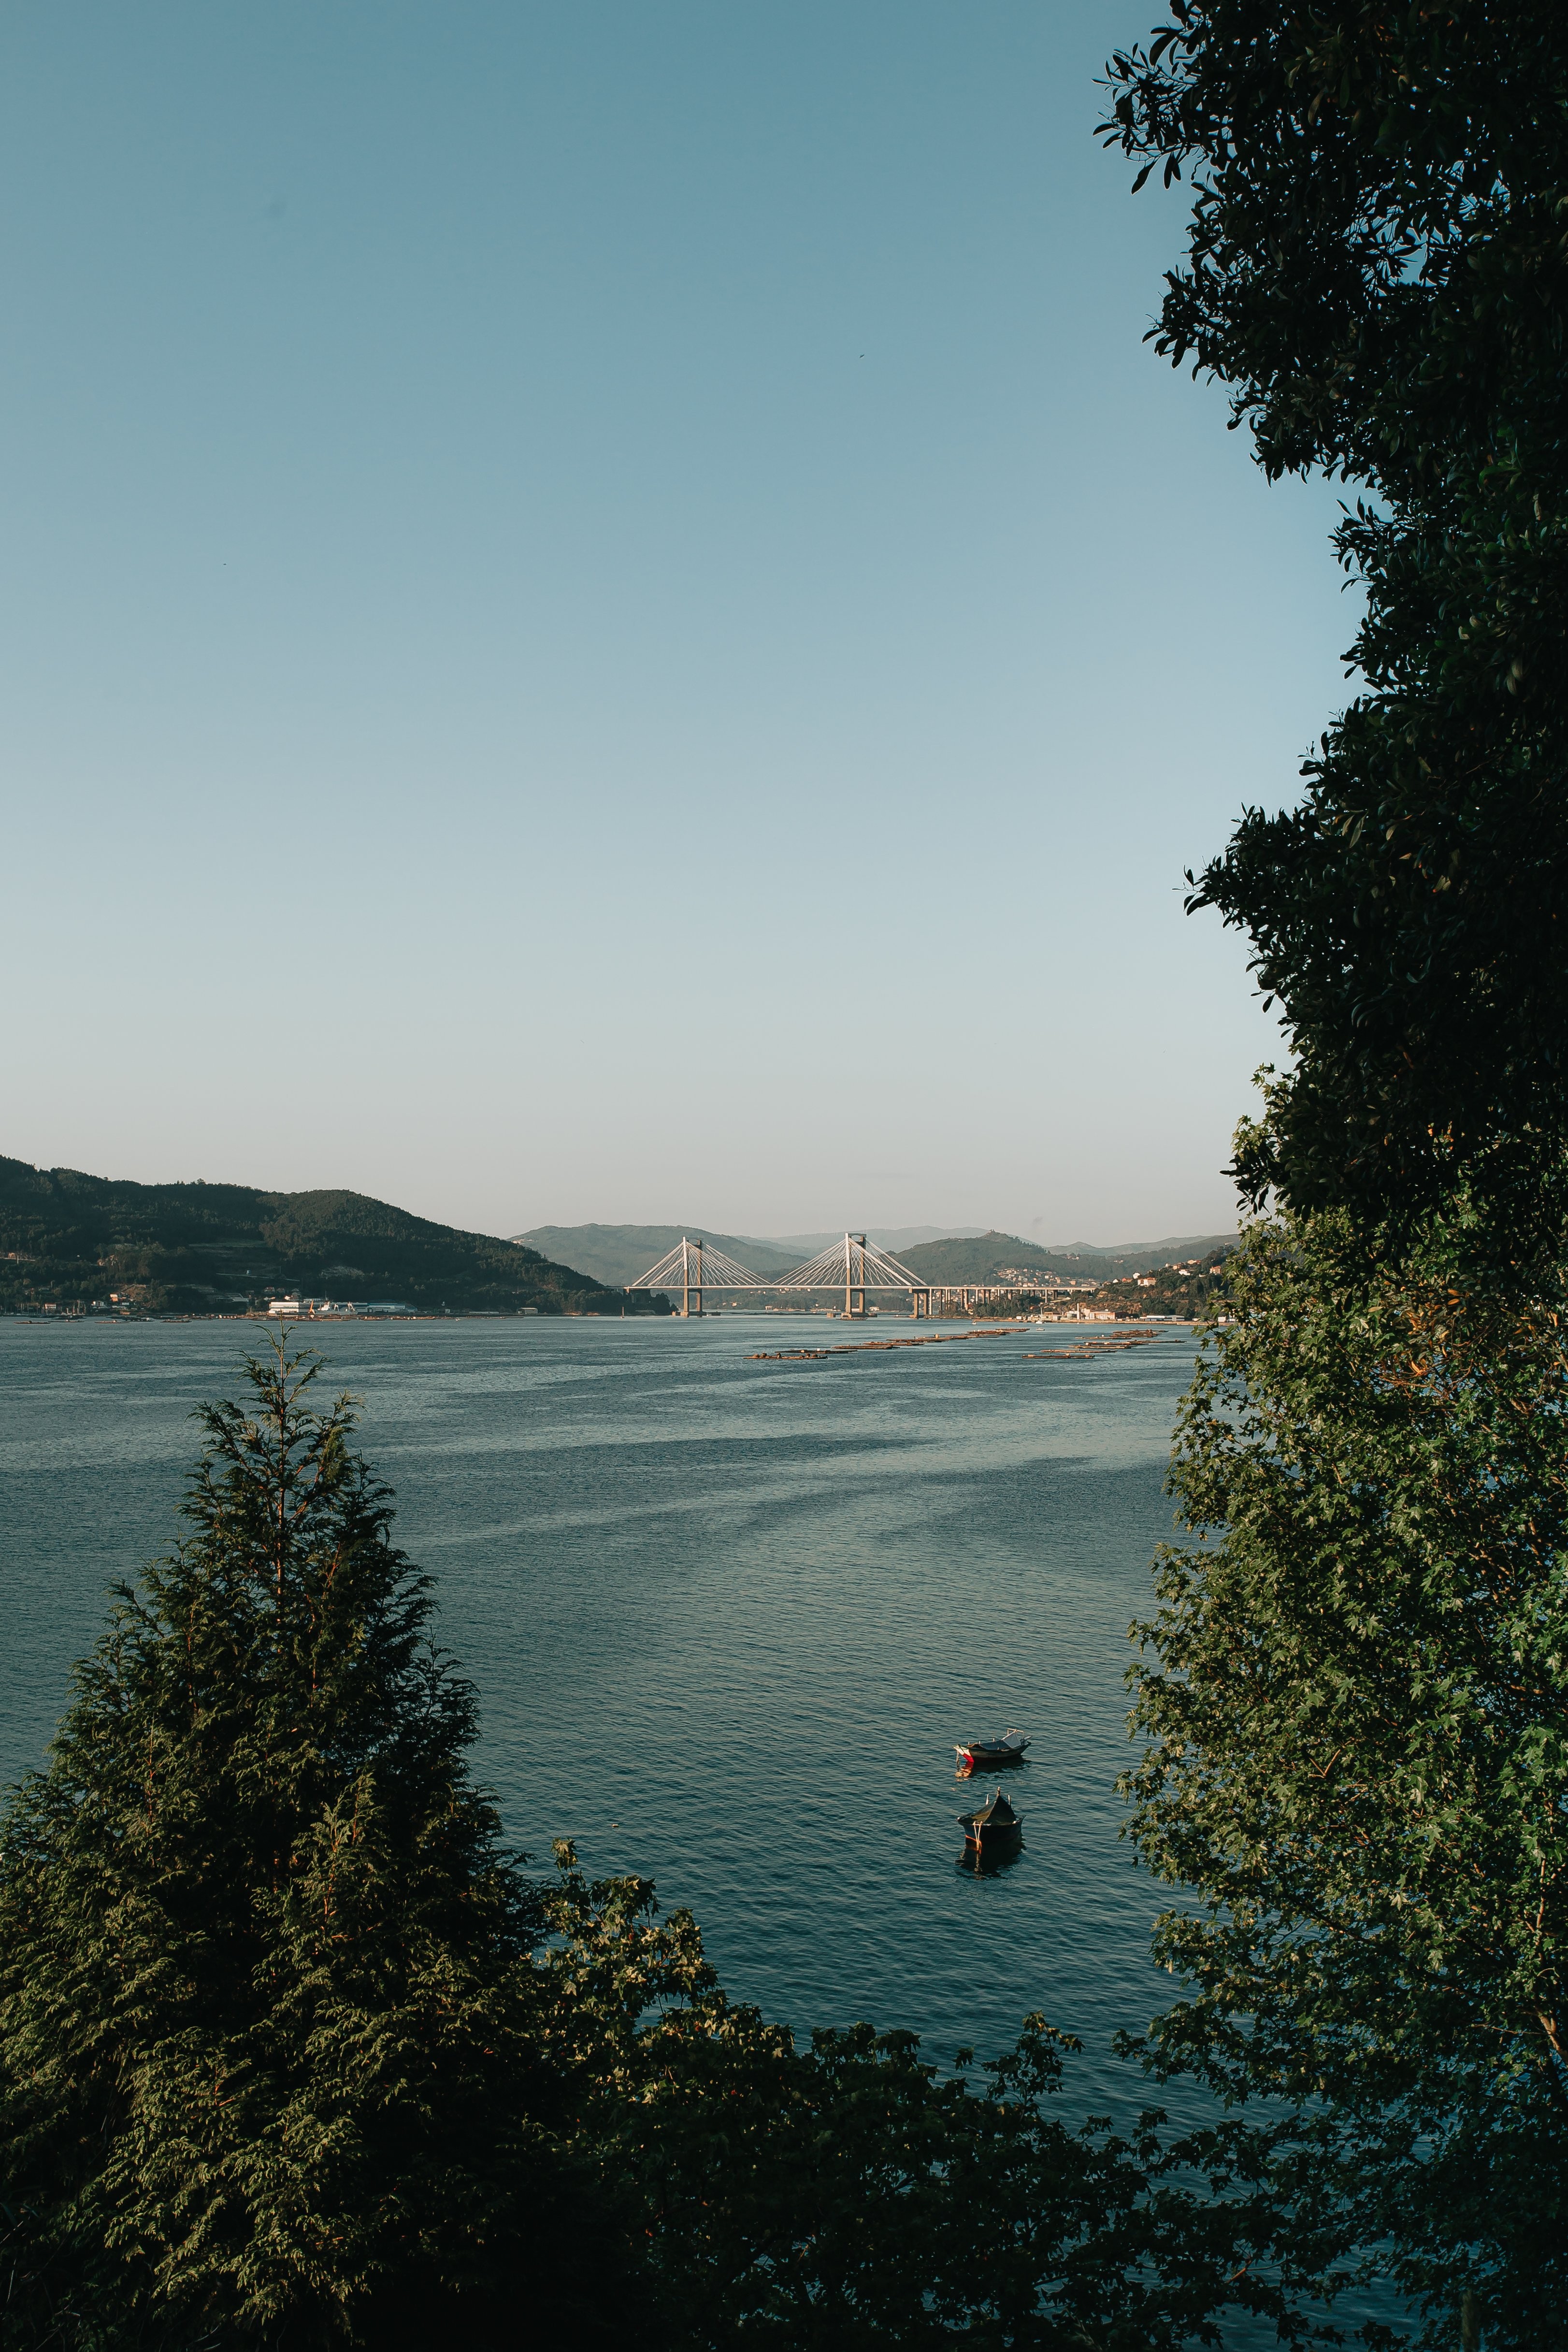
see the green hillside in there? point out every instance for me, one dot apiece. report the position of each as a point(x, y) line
point(205, 1248)
point(985, 1260)
point(618, 1254)
point(1187, 1292)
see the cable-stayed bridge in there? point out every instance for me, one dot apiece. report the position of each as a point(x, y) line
point(853, 1266)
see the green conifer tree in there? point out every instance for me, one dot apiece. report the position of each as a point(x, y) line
point(271, 2059)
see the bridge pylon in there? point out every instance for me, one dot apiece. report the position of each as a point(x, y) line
point(854, 1292)
point(685, 1269)
point(853, 1266)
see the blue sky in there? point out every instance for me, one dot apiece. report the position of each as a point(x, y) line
point(607, 616)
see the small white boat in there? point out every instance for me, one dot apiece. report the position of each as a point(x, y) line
point(985, 1755)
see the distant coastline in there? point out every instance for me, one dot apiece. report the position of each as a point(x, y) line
point(73, 1243)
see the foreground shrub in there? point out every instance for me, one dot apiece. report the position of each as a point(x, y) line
point(842, 2194)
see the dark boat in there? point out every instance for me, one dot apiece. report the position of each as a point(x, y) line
point(993, 1826)
point(987, 1754)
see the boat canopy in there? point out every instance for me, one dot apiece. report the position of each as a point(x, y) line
point(998, 1815)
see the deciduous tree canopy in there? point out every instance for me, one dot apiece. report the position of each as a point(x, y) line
point(1356, 1712)
point(1354, 1693)
point(1378, 269)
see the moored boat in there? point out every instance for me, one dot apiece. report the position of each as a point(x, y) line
point(994, 1825)
point(987, 1754)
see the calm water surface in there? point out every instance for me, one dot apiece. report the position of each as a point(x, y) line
point(726, 1621)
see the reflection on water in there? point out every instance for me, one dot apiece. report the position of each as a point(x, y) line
point(987, 1861)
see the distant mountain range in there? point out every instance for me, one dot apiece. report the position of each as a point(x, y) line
point(897, 1238)
point(987, 1256)
point(199, 1248)
point(206, 1248)
point(620, 1253)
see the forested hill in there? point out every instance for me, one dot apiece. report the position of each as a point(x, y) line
point(988, 1258)
point(201, 1248)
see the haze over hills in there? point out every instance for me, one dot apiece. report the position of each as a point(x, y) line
point(620, 1253)
point(207, 1248)
point(1180, 1246)
point(897, 1238)
point(987, 1257)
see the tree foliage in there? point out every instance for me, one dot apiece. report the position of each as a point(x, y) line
point(1378, 269)
point(841, 2194)
point(1356, 1716)
point(273, 2062)
point(1354, 1691)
